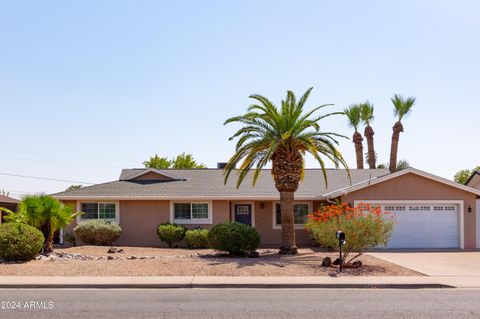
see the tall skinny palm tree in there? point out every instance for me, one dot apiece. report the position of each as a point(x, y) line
point(282, 136)
point(354, 119)
point(402, 107)
point(366, 113)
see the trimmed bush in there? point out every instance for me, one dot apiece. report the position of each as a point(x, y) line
point(197, 238)
point(19, 242)
point(98, 232)
point(234, 238)
point(171, 233)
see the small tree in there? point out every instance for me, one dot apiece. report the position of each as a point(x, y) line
point(463, 175)
point(181, 161)
point(45, 213)
point(72, 187)
point(364, 226)
point(158, 162)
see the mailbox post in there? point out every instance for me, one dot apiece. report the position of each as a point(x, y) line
point(341, 242)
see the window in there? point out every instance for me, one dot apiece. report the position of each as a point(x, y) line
point(300, 214)
point(190, 211)
point(98, 210)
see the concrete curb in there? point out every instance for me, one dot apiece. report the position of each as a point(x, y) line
point(226, 286)
point(185, 282)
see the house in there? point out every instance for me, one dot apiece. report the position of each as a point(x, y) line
point(474, 181)
point(9, 203)
point(431, 212)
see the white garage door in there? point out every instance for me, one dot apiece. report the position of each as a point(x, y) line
point(424, 226)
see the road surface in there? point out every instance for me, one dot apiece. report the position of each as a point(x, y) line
point(239, 303)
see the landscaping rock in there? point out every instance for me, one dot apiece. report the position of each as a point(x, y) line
point(336, 262)
point(326, 262)
point(112, 250)
point(253, 254)
point(131, 258)
point(120, 251)
point(110, 258)
point(357, 264)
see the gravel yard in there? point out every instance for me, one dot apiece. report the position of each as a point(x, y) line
point(187, 262)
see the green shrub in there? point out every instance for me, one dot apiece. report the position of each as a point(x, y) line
point(19, 242)
point(364, 226)
point(197, 238)
point(234, 238)
point(170, 233)
point(98, 232)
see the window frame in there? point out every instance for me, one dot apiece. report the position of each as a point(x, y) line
point(117, 210)
point(274, 213)
point(191, 221)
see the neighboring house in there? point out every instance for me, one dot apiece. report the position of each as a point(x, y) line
point(431, 212)
point(474, 181)
point(9, 203)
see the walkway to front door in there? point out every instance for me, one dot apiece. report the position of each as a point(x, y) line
point(243, 214)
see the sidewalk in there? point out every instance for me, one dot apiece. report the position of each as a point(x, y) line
point(411, 282)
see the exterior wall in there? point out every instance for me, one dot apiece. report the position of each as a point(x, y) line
point(270, 236)
point(139, 220)
point(414, 187)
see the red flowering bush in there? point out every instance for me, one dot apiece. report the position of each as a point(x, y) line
point(365, 227)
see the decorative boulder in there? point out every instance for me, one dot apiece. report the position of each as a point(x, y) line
point(326, 262)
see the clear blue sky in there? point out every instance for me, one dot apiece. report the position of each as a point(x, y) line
point(89, 87)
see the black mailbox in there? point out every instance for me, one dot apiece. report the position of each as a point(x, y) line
point(341, 237)
point(341, 241)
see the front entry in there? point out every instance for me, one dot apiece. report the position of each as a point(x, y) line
point(243, 214)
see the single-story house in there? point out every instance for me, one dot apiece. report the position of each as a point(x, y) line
point(431, 212)
point(474, 181)
point(8, 203)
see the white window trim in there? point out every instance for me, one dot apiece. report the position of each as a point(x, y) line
point(117, 210)
point(252, 205)
point(203, 221)
point(274, 214)
point(460, 203)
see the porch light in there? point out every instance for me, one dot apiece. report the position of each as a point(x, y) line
point(469, 209)
point(262, 205)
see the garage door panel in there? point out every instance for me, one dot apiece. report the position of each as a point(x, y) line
point(424, 226)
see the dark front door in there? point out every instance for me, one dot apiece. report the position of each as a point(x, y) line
point(243, 214)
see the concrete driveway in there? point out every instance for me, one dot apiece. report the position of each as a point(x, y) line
point(457, 263)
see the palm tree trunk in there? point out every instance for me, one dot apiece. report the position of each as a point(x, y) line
point(397, 128)
point(48, 248)
point(358, 140)
point(288, 224)
point(371, 148)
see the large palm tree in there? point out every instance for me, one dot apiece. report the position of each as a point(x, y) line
point(45, 213)
point(353, 114)
point(282, 136)
point(402, 107)
point(366, 113)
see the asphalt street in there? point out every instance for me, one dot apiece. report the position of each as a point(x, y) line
point(239, 303)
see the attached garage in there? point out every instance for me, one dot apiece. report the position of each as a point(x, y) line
point(427, 224)
point(431, 212)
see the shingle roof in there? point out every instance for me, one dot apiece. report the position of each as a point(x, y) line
point(8, 200)
point(208, 183)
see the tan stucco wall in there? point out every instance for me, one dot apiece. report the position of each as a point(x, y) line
point(139, 220)
point(415, 187)
point(269, 235)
